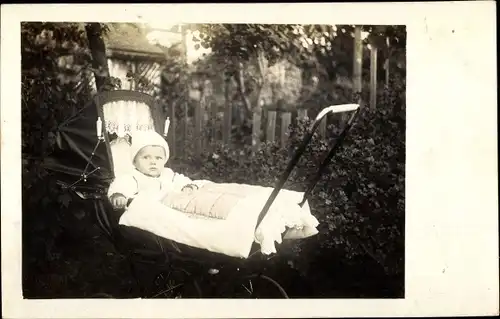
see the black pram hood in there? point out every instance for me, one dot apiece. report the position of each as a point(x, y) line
point(76, 140)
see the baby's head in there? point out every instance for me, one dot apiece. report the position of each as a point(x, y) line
point(149, 152)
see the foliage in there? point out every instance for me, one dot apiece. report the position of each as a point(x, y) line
point(246, 41)
point(326, 49)
point(174, 89)
point(54, 60)
point(56, 84)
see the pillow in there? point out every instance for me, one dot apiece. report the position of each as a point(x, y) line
point(211, 200)
point(120, 151)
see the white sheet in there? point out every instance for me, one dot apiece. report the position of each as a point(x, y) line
point(233, 236)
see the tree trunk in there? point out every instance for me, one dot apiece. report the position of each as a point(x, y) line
point(98, 51)
point(185, 99)
point(262, 65)
point(240, 80)
point(387, 63)
point(373, 76)
point(358, 61)
point(228, 108)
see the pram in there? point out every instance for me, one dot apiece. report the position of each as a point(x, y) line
point(86, 160)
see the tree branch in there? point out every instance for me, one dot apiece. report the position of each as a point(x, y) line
point(261, 64)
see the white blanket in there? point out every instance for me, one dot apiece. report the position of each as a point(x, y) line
point(234, 235)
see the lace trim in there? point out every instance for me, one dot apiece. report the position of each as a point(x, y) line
point(124, 117)
point(127, 129)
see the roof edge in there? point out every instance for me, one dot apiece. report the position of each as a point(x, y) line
point(134, 55)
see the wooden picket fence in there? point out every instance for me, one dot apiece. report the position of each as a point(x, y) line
point(207, 128)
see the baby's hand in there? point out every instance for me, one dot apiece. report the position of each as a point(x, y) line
point(189, 187)
point(118, 201)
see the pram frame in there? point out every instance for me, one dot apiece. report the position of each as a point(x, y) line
point(157, 114)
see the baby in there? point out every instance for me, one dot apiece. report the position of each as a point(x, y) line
point(149, 153)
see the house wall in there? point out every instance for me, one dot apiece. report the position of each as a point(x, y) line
point(149, 71)
point(119, 69)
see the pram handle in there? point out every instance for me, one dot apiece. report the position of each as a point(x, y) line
point(300, 151)
point(336, 109)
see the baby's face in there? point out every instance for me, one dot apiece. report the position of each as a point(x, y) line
point(150, 160)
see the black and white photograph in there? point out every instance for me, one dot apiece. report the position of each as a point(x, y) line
point(165, 159)
point(277, 149)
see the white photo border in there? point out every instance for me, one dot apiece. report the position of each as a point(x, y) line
point(451, 159)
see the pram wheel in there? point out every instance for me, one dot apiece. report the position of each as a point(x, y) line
point(256, 286)
point(176, 283)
